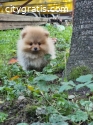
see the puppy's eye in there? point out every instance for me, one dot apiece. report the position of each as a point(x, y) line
point(39, 43)
point(31, 44)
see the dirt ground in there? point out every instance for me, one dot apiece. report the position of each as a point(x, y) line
point(19, 112)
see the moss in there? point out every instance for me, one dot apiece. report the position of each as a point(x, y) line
point(78, 71)
point(30, 110)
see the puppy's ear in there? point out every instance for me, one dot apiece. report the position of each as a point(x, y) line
point(46, 33)
point(23, 33)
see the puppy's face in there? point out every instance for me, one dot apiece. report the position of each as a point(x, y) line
point(34, 39)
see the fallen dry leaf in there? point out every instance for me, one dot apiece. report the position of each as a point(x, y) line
point(15, 77)
point(12, 61)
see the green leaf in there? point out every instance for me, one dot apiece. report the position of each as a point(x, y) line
point(82, 85)
point(91, 114)
point(55, 118)
point(42, 85)
point(79, 86)
point(68, 83)
point(88, 105)
point(71, 83)
point(50, 110)
point(38, 123)
point(90, 86)
point(90, 123)
point(59, 123)
point(2, 88)
point(22, 124)
point(47, 57)
point(3, 116)
point(44, 77)
point(65, 88)
point(84, 78)
point(79, 116)
point(84, 103)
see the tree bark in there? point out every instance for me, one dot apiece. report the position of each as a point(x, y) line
point(81, 51)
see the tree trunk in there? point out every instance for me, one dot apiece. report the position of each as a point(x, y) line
point(81, 51)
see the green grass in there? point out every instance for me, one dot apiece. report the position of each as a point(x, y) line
point(8, 42)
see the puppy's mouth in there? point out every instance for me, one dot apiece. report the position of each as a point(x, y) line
point(35, 51)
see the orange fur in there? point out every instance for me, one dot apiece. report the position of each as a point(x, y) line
point(33, 45)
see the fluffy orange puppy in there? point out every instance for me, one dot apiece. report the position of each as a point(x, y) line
point(32, 47)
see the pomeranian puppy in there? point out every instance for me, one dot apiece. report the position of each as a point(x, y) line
point(32, 47)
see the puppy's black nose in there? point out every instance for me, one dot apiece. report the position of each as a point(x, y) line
point(35, 49)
